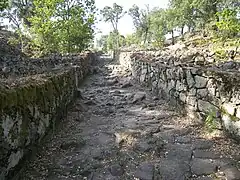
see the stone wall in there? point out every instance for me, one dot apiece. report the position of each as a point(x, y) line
point(203, 91)
point(17, 66)
point(30, 106)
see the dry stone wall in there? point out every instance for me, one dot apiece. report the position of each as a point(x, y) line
point(202, 91)
point(30, 106)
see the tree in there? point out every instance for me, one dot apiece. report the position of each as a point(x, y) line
point(16, 13)
point(107, 42)
point(74, 24)
point(3, 5)
point(229, 24)
point(158, 27)
point(171, 22)
point(113, 15)
point(141, 21)
point(102, 42)
point(62, 25)
point(24, 10)
point(184, 13)
point(132, 39)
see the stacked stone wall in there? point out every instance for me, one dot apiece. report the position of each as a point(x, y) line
point(33, 103)
point(203, 91)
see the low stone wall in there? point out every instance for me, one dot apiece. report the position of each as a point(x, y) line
point(30, 106)
point(202, 91)
point(13, 67)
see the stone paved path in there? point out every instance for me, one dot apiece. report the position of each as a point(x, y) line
point(117, 131)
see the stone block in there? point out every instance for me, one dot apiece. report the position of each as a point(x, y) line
point(202, 93)
point(195, 71)
point(172, 169)
point(145, 171)
point(205, 106)
point(190, 79)
point(204, 154)
point(201, 167)
point(232, 173)
point(182, 97)
point(200, 82)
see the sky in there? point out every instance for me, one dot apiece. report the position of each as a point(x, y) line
point(125, 23)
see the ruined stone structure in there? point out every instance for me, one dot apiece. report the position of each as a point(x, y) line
point(34, 94)
point(136, 134)
point(203, 91)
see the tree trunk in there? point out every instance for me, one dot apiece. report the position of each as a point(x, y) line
point(173, 42)
point(145, 36)
point(182, 31)
point(68, 30)
point(117, 44)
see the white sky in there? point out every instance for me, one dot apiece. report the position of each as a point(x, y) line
point(125, 24)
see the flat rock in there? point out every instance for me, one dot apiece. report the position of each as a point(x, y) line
point(116, 170)
point(232, 173)
point(183, 140)
point(199, 153)
point(139, 96)
point(111, 82)
point(179, 152)
point(126, 85)
point(166, 136)
point(173, 170)
point(143, 147)
point(203, 166)
point(145, 171)
point(202, 144)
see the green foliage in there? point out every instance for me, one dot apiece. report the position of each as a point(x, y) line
point(62, 25)
point(221, 54)
point(132, 39)
point(141, 21)
point(228, 24)
point(53, 25)
point(108, 42)
point(3, 4)
point(23, 10)
point(211, 17)
point(210, 122)
point(113, 15)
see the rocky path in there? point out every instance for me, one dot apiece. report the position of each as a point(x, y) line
point(117, 131)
